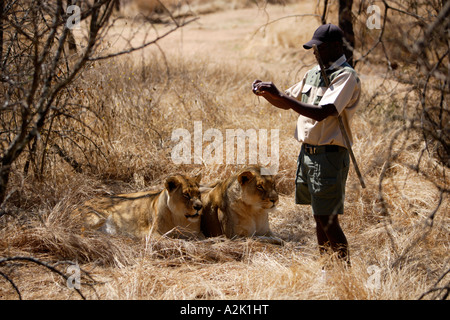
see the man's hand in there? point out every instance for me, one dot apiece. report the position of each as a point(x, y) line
point(270, 92)
point(264, 88)
point(280, 100)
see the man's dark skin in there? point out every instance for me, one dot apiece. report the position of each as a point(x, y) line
point(329, 232)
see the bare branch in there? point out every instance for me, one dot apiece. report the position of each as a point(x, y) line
point(154, 41)
point(12, 284)
point(41, 263)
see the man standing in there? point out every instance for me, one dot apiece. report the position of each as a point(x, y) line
point(323, 163)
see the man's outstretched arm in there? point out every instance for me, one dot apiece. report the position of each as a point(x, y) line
point(280, 100)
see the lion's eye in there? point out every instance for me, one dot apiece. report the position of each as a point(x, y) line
point(260, 188)
point(186, 195)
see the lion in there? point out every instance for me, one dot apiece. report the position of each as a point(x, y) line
point(239, 206)
point(174, 211)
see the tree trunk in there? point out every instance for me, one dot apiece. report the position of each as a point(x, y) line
point(2, 5)
point(346, 24)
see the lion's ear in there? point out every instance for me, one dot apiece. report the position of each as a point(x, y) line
point(198, 178)
point(245, 177)
point(172, 183)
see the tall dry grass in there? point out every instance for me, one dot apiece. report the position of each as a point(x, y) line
point(135, 104)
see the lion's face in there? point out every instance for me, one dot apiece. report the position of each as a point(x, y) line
point(258, 190)
point(184, 196)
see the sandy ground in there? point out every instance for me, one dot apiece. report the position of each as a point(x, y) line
point(268, 37)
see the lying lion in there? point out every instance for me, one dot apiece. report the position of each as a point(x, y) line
point(239, 206)
point(174, 211)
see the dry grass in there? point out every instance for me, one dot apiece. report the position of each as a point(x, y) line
point(139, 103)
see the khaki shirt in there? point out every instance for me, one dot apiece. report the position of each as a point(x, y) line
point(343, 93)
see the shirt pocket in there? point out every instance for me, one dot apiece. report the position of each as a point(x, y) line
point(320, 92)
point(306, 93)
point(312, 94)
